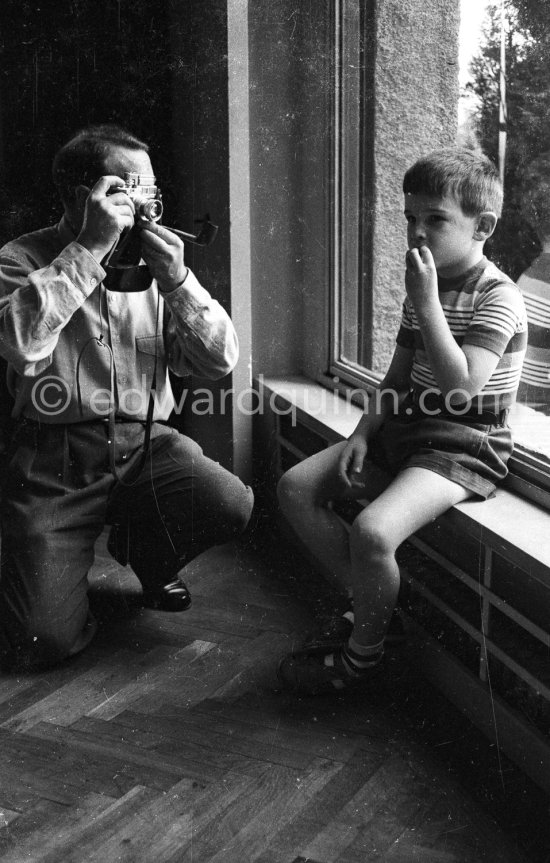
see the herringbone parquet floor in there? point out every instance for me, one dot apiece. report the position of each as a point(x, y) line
point(169, 740)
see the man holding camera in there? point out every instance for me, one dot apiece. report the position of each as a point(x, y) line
point(88, 351)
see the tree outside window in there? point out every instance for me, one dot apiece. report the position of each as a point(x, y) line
point(516, 39)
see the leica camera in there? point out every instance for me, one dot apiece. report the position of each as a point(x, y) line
point(147, 200)
point(145, 195)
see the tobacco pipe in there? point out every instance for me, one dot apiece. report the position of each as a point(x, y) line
point(206, 235)
point(126, 256)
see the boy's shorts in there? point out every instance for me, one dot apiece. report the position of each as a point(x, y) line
point(471, 453)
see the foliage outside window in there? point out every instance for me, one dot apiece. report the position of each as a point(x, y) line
point(516, 36)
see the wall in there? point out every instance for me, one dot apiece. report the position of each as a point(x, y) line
point(414, 110)
point(411, 107)
point(64, 66)
point(200, 141)
point(287, 78)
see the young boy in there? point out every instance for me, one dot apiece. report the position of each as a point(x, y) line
point(434, 433)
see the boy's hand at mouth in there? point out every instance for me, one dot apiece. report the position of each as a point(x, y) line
point(421, 276)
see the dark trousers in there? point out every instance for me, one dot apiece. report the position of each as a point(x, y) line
point(59, 492)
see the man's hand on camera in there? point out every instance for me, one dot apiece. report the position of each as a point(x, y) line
point(163, 253)
point(107, 214)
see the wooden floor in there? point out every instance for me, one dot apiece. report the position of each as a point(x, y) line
point(169, 740)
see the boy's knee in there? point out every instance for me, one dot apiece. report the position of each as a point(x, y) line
point(290, 489)
point(369, 536)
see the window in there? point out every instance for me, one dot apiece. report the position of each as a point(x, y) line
point(508, 117)
point(352, 344)
point(505, 98)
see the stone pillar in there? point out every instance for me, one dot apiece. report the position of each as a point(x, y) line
point(414, 109)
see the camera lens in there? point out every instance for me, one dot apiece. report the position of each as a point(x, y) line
point(151, 210)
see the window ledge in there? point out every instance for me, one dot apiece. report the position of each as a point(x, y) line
point(507, 522)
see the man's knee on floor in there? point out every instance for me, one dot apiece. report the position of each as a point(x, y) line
point(38, 639)
point(36, 650)
point(235, 507)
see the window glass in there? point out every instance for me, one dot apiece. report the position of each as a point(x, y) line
point(351, 329)
point(349, 143)
point(505, 109)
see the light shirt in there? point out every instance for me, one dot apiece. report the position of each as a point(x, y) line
point(482, 307)
point(56, 314)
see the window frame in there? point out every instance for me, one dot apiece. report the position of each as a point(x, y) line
point(341, 147)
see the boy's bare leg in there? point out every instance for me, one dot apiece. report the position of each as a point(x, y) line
point(304, 493)
point(413, 499)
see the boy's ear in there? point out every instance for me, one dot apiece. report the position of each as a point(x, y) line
point(486, 224)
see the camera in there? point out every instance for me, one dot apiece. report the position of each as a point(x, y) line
point(147, 200)
point(145, 196)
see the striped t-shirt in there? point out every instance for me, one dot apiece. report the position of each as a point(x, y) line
point(483, 307)
point(534, 284)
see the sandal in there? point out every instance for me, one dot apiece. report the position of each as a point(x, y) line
point(330, 635)
point(174, 596)
point(305, 673)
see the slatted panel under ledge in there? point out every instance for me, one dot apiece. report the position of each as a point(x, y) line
point(288, 459)
point(527, 686)
point(450, 636)
point(296, 442)
point(520, 695)
point(300, 436)
point(445, 609)
point(455, 547)
point(532, 600)
point(511, 644)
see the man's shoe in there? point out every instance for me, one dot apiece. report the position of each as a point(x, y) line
point(171, 597)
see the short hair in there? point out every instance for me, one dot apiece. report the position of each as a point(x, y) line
point(467, 175)
point(535, 194)
point(82, 159)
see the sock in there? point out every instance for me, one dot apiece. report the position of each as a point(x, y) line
point(358, 657)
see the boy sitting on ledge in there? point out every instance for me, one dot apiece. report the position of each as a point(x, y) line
point(435, 431)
